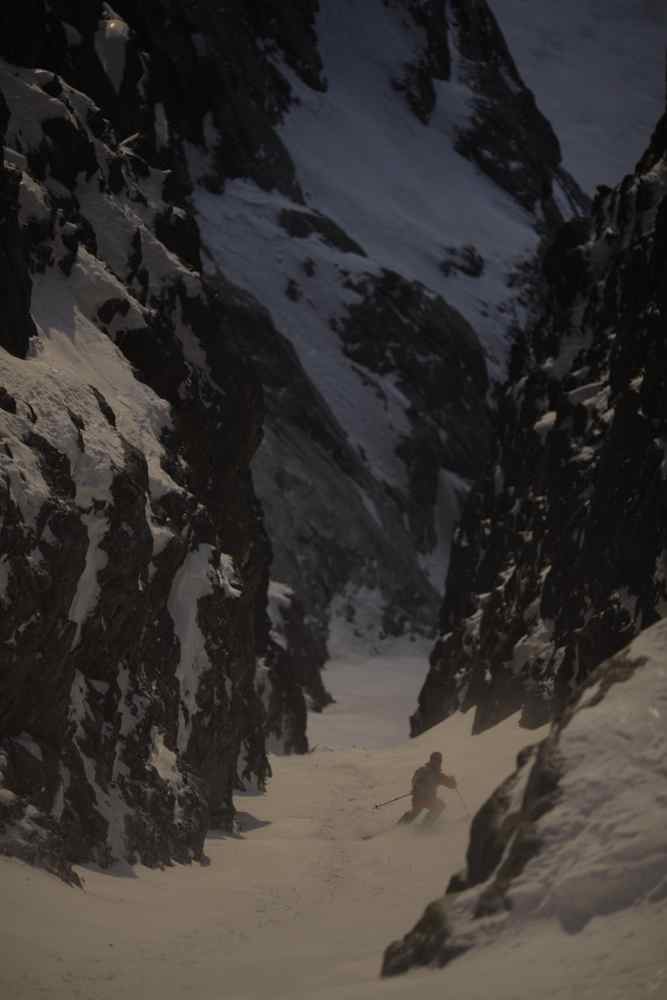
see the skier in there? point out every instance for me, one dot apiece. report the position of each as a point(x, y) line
point(425, 783)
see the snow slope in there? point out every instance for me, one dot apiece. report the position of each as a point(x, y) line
point(397, 187)
point(305, 898)
point(597, 68)
point(298, 905)
point(604, 843)
point(301, 905)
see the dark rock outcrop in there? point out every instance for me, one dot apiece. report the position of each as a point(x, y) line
point(398, 329)
point(16, 326)
point(559, 557)
point(290, 656)
point(301, 225)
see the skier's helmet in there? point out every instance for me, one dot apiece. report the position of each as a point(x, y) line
point(436, 757)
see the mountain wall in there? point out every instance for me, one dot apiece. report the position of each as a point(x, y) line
point(134, 562)
point(559, 557)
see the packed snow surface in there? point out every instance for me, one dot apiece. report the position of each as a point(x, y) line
point(304, 900)
point(597, 69)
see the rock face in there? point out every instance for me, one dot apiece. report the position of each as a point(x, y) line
point(577, 795)
point(559, 557)
point(133, 557)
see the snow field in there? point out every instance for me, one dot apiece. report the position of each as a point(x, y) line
point(374, 685)
point(299, 905)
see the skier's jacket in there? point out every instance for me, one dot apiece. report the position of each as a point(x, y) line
point(426, 781)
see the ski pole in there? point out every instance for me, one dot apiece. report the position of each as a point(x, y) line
point(389, 801)
point(463, 802)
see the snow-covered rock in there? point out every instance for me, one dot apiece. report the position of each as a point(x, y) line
point(577, 832)
point(133, 556)
point(290, 658)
